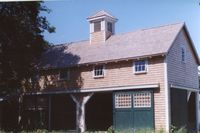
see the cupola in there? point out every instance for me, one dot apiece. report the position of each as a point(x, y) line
point(102, 26)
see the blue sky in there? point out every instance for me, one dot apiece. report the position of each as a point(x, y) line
point(69, 16)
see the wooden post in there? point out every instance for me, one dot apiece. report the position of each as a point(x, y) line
point(49, 114)
point(80, 100)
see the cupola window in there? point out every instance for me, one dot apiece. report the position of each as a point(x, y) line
point(97, 26)
point(109, 24)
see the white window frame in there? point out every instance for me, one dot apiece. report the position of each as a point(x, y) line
point(183, 49)
point(140, 72)
point(68, 74)
point(99, 76)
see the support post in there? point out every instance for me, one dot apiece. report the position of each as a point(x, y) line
point(80, 100)
point(49, 114)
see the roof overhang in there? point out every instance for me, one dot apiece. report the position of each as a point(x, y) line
point(102, 89)
point(185, 88)
point(102, 17)
point(108, 61)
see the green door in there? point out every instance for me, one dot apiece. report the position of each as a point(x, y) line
point(133, 110)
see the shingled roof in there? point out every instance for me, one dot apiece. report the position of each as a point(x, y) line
point(140, 43)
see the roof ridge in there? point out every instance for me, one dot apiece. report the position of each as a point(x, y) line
point(123, 33)
point(164, 25)
point(154, 27)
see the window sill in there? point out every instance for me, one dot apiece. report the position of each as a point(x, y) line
point(96, 77)
point(141, 72)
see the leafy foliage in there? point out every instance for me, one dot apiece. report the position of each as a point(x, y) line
point(21, 41)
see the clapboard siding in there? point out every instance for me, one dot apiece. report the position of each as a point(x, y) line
point(180, 73)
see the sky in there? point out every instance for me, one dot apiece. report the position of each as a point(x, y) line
point(69, 17)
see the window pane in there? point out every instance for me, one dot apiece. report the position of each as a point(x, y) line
point(109, 26)
point(142, 100)
point(140, 66)
point(98, 71)
point(143, 68)
point(123, 100)
point(97, 26)
point(183, 54)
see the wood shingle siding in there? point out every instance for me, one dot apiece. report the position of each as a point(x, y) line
point(119, 74)
point(182, 73)
point(97, 37)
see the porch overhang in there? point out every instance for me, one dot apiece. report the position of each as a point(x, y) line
point(185, 88)
point(101, 89)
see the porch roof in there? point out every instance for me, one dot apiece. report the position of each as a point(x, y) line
point(101, 89)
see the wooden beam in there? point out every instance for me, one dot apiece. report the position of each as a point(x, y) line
point(80, 100)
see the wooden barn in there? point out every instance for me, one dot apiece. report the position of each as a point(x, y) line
point(146, 78)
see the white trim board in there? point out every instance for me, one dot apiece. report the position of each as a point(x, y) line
point(103, 89)
point(184, 88)
point(167, 98)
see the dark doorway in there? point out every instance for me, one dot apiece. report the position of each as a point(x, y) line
point(63, 112)
point(179, 114)
point(183, 109)
point(192, 111)
point(99, 112)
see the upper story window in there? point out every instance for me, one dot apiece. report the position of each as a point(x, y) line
point(183, 54)
point(98, 71)
point(97, 26)
point(64, 74)
point(109, 25)
point(140, 66)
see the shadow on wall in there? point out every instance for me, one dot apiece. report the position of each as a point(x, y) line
point(54, 61)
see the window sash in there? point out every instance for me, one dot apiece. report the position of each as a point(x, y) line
point(183, 54)
point(97, 26)
point(98, 71)
point(140, 66)
point(109, 24)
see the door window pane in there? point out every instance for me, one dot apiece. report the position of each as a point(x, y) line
point(123, 100)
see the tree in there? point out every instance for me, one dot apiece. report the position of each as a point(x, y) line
point(21, 41)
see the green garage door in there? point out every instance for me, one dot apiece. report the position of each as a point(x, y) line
point(133, 110)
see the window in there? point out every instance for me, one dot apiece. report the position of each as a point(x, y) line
point(123, 100)
point(99, 71)
point(64, 74)
point(140, 66)
point(109, 25)
point(142, 100)
point(97, 26)
point(183, 54)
